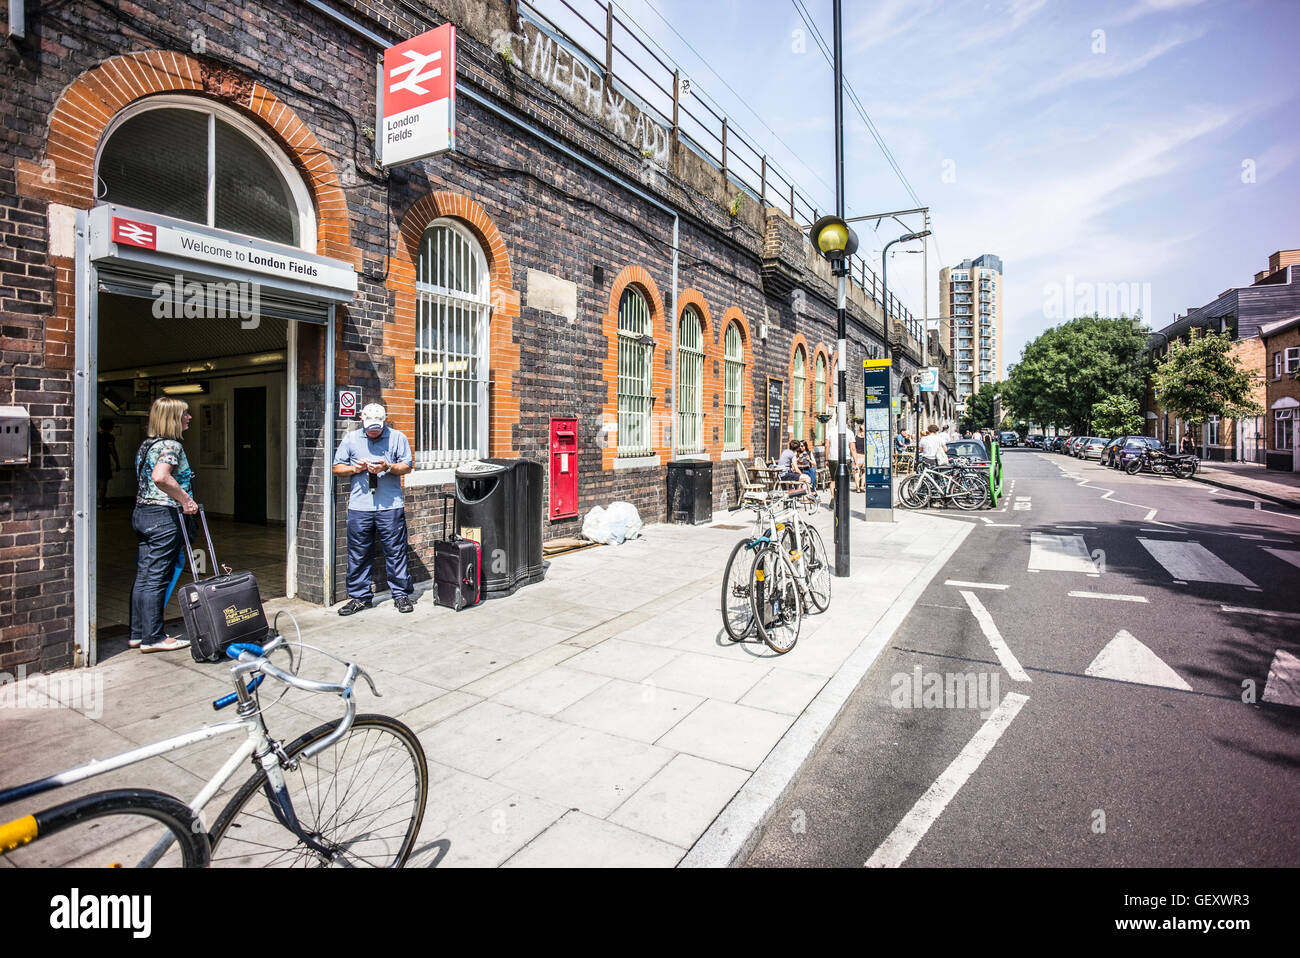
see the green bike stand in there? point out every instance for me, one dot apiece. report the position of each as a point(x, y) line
point(995, 475)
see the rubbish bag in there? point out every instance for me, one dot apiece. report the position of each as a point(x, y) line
point(626, 513)
point(595, 526)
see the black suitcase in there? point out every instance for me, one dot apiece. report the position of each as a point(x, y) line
point(457, 566)
point(222, 609)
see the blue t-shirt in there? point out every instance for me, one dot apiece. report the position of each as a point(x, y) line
point(392, 447)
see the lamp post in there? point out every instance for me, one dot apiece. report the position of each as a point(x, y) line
point(889, 352)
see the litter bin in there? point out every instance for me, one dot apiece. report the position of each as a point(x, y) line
point(499, 504)
point(690, 491)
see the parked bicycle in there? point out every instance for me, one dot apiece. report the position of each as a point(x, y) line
point(774, 574)
point(345, 794)
point(966, 488)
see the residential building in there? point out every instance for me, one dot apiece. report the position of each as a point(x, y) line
point(970, 294)
point(1241, 312)
point(1281, 344)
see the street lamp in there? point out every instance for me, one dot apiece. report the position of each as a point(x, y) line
point(889, 354)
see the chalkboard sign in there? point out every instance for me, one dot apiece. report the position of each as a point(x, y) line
point(775, 414)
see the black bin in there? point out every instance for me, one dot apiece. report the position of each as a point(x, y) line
point(690, 491)
point(499, 503)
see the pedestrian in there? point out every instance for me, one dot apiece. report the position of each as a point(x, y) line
point(106, 459)
point(375, 456)
point(832, 453)
point(164, 481)
point(789, 464)
point(860, 459)
point(1188, 447)
point(932, 444)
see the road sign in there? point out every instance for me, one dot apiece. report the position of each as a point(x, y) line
point(928, 380)
point(417, 97)
point(349, 402)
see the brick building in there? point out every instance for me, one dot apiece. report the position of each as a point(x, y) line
point(574, 256)
point(1281, 345)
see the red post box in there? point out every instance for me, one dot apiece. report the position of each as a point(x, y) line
point(564, 468)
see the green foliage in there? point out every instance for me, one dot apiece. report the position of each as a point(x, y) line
point(1070, 368)
point(1201, 378)
point(1116, 416)
point(979, 408)
point(737, 202)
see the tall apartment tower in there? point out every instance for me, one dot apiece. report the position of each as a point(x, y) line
point(971, 294)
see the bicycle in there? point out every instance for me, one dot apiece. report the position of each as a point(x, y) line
point(947, 483)
point(350, 793)
point(768, 592)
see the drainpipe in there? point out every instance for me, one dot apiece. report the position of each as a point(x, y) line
point(327, 506)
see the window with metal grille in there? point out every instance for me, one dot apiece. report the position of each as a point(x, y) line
point(819, 401)
point(797, 400)
point(690, 382)
point(733, 400)
point(451, 348)
point(635, 348)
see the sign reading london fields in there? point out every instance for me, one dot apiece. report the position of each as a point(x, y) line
point(417, 98)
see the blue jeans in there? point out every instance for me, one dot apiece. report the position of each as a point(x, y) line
point(159, 533)
point(811, 473)
point(388, 526)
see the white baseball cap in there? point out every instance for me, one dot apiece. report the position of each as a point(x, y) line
point(373, 415)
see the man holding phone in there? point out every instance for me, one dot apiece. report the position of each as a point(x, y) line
point(375, 457)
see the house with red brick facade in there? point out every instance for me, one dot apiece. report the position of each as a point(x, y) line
point(1281, 341)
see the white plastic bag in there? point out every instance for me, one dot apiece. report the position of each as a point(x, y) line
point(626, 513)
point(595, 526)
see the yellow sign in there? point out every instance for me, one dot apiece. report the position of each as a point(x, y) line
point(876, 363)
point(234, 616)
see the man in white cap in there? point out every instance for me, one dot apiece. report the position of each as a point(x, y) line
point(375, 457)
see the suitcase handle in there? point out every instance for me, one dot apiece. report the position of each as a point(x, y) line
point(445, 511)
point(189, 550)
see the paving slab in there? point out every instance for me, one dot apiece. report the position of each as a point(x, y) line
point(581, 841)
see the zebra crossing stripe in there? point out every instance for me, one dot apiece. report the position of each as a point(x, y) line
point(1191, 561)
point(1059, 554)
point(1283, 685)
point(1286, 555)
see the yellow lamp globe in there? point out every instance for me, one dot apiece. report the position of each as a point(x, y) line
point(834, 239)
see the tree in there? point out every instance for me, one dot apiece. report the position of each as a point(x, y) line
point(1116, 416)
point(979, 408)
point(1070, 368)
point(1200, 377)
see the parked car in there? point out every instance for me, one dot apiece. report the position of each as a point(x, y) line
point(1076, 447)
point(1057, 443)
point(1009, 439)
point(1133, 446)
point(1092, 448)
point(971, 450)
point(1034, 442)
point(1111, 449)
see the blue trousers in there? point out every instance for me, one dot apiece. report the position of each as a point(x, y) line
point(388, 526)
point(159, 535)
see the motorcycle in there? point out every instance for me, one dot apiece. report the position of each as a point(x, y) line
point(1161, 464)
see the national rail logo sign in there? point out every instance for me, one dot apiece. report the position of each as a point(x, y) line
point(131, 233)
point(417, 97)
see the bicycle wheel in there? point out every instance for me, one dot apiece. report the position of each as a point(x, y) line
point(108, 829)
point(971, 494)
point(777, 606)
point(819, 570)
point(363, 798)
point(914, 492)
point(737, 611)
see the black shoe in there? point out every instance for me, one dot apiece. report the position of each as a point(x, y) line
point(353, 606)
point(403, 604)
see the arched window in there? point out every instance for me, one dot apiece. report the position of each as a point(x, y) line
point(635, 348)
point(797, 399)
point(734, 397)
point(452, 289)
point(200, 161)
point(690, 382)
point(819, 401)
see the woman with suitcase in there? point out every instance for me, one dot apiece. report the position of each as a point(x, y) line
point(163, 484)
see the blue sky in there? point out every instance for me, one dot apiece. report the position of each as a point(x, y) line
point(1119, 141)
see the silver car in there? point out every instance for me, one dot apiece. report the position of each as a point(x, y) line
point(1092, 449)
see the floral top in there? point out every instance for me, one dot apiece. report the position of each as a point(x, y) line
point(151, 452)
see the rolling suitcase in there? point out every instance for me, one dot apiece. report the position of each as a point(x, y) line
point(225, 608)
point(457, 566)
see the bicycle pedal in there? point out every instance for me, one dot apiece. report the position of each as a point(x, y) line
point(795, 556)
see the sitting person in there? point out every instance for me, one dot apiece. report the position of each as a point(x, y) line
point(789, 465)
point(807, 464)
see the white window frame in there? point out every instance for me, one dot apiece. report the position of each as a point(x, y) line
point(1277, 364)
point(733, 417)
point(284, 166)
point(635, 369)
point(798, 382)
point(1291, 359)
point(1281, 416)
point(1212, 430)
point(690, 381)
point(819, 399)
point(466, 313)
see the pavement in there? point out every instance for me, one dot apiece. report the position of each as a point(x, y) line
point(1271, 484)
point(598, 718)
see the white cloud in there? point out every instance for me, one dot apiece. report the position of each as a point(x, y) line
point(1092, 66)
point(1145, 7)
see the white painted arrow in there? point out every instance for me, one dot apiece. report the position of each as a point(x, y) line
point(1283, 685)
point(1125, 659)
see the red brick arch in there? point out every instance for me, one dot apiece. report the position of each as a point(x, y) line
point(399, 335)
point(747, 390)
point(660, 377)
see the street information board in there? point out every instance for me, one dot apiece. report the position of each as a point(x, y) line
point(875, 421)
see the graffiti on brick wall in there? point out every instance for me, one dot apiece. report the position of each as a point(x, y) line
point(549, 62)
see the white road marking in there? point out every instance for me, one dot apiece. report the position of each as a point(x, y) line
point(1023, 506)
point(907, 834)
point(1164, 531)
point(1150, 515)
point(1283, 685)
point(1059, 553)
point(1125, 659)
point(1286, 555)
point(1255, 538)
point(1290, 616)
point(1191, 561)
point(1004, 654)
point(1259, 506)
point(1109, 595)
point(974, 585)
point(1077, 527)
point(1179, 582)
point(1006, 525)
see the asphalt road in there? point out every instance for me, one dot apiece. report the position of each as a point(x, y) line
point(1125, 725)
